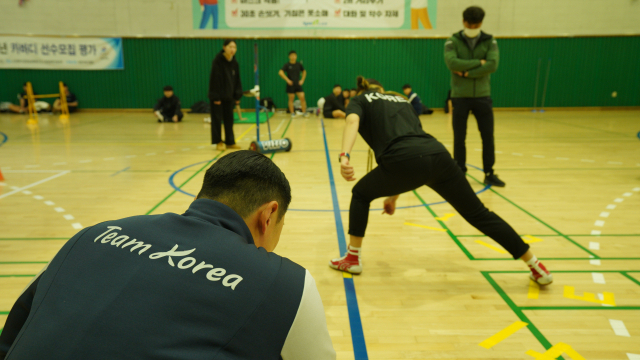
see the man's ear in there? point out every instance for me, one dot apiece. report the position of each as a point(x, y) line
point(268, 215)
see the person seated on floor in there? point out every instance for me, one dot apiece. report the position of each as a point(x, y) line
point(346, 94)
point(352, 93)
point(415, 101)
point(168, 107)
point(334, 104)
point(41, 106)
point(72, 101)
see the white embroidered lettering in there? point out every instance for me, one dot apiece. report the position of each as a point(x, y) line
point(137, 245)
point(216, 272)
point(111, 228)
point(201, 266)
point(170, 253)
point(108, 238)
point(370, 97)
point(182, 264)
point(228, 283)
point(119, 240)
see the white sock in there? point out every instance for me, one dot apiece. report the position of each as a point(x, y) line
point(532, 261)
point(357, 251)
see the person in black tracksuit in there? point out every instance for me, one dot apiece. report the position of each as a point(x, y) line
point(334, 104)
point(201, 285)
point(408, 158)
point(225, 91)
point(168, 107)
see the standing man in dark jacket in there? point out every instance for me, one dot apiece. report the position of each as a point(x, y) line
point(168, 107)
point(225, 91)
point(201, 285)
point(472, 56)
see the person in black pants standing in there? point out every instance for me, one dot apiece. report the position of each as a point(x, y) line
point(472, 56)
point(408, 158)
point(225, 91)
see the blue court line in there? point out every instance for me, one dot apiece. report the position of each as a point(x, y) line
point(173, 185)
point(123, 170)
point(4, 138)
point(357, 334)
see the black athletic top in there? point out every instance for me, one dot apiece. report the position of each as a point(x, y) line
point(191, 286)
point(333, 102)
point(389, 124)
point(169, 106)
point(293, 71)
point(224, 80)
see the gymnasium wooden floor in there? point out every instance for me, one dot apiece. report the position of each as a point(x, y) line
point(435, 289)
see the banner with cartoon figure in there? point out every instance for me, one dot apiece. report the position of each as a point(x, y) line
point(26, 52)
point(318, 14)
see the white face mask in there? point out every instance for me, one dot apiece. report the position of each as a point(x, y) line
point(471, 33)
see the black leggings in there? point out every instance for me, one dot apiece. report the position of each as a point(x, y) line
point(222, 114)
point(443, 175)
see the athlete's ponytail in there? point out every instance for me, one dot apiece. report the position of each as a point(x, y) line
point(367, 84)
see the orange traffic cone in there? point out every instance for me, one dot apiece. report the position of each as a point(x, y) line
point(1, 177)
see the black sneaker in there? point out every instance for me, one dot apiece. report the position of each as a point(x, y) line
point(493, 180)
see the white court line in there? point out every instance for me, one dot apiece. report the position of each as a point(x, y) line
point(3, 184)
point(14, 188)
point(109, 159)
point(34, 184)
point(68, 216)
point(498, 152)
point(516, 154)
point(31, 171)
point(280, 125)
point(636, 189)
point(611, 207)
point(627, 194)
point(594, 245)
point(58, 209)
point(76, 226)
point(168, 151)
point(538, 156)
point(49, 203)
point(598, 278)
point(614, 162)
point(595, 262)
point(38, 197)
point(596, 232)
point(587, 160)
point(201, 147)
point(186, 149)
point(599, 223)
point(32, 166)
point(601, 297)
point(150, 154)
point(618, 200)
point(604, 214)
point(633, 356)
point(619, 328)
point(27, 192)
point(130, 156)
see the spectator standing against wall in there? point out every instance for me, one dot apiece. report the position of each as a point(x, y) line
point(472, 56)
point(225, 91)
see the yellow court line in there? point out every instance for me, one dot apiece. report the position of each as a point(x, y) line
point(534, 290)
point(247, 131)
point(491, 247)
point(502, 334)
point(445, 217)
point(555, 351)
point(529, 239)
point(346, 275)
point(607, 297)
point(426, 227)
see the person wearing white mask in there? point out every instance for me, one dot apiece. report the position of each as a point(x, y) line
point(472, 55)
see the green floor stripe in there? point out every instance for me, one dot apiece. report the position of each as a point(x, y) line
point(537, 219)
point(183, 184)
point(624, 273)
point(524, 308)
point(534, 330)
point(451, 235)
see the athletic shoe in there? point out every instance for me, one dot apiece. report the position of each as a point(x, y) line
point(221, 146)
point(493, 180)
point(540, 274)
point(306, 114)
point(349, 263)
point(159, 120)
point(234, 146)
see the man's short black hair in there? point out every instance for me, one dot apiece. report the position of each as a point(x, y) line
point(473, 15)
point(406, 86)
point(229, 41)
point(245, 180)
point(168, 88)
point(293, 52)
point(337, 85)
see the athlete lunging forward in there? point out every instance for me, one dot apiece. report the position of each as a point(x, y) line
point(408, 158)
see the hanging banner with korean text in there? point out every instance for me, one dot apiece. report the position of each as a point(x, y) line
point(26, 52)
point(314, 14)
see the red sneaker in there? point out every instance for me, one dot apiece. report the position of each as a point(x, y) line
point(540, 274)
point(349, 263)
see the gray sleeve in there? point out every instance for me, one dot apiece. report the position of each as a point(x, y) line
point(308, 337)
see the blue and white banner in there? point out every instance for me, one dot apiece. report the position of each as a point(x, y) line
point(62, 53)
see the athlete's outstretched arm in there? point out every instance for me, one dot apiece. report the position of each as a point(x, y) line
point(348, 140)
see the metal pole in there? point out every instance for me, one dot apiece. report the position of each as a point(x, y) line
point(546, 82)
point(535, 94)
point(257, 83)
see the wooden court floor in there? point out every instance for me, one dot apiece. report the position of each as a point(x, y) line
point(432, 286)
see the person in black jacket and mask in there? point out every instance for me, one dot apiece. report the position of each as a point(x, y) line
point(168, 107)
point(225, 91)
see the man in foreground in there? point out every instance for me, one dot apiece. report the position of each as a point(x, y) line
point(202, 285)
